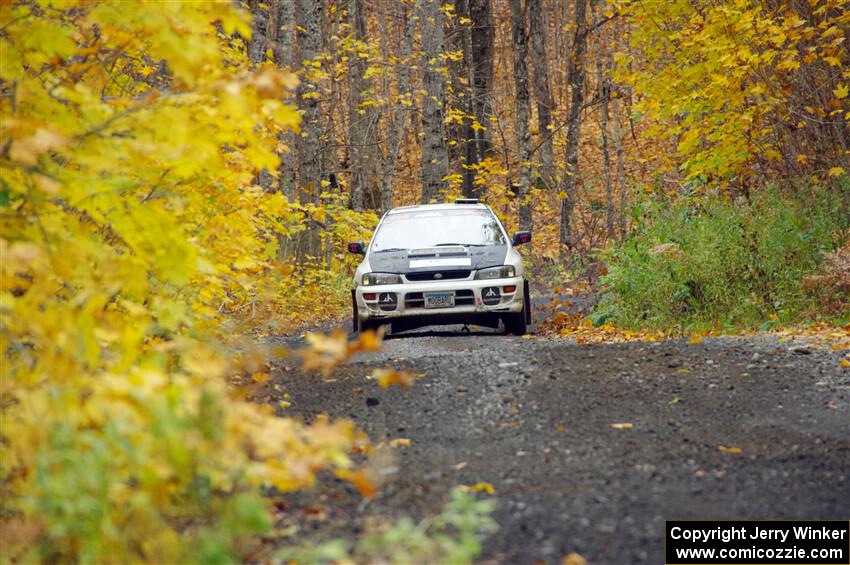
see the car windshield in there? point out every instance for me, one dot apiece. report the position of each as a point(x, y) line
point(431, 228)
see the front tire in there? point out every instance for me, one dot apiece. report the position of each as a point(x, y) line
point(516, 323)
point(355, 318)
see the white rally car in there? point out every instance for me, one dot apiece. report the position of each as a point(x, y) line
point(441, 264)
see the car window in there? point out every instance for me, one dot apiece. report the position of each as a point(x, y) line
point(430, 228)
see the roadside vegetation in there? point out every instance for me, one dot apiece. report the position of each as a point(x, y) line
point(177, 180)
point(713, 263)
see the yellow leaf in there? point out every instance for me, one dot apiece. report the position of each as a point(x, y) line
point(835, 172)
point(573, 559)
point(621, 426)
point(27, 149)
point(734, 450)
point(479, 487)
point(400, 442)
point(845, 363)
point(47, 185)
point(841, 91)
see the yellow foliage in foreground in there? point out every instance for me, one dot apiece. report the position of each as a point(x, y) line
point(130, 138)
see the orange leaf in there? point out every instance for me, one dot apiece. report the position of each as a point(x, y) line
point(388, 377)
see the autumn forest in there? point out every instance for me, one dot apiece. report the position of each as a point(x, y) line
point(178, 182)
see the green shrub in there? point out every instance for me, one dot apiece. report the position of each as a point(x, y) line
point(453, 536)
point(708, 262)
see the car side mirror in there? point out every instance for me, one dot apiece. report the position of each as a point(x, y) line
point(356, 247)
point(521, 237)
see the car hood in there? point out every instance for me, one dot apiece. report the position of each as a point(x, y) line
point(438, 258)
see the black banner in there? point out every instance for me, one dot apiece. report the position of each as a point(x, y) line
point(745, 542)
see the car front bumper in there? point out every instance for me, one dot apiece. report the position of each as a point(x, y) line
point(469, 299)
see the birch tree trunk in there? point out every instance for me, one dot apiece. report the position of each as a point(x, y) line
point(576, 72)
point(435, 159)
point(542, 92)
point(523, 136)
point(621, 165)
point(617, 130)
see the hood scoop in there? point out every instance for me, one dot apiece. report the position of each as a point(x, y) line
point(444, 251)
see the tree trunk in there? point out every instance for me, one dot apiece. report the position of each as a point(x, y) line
point(523, 136)
point(603, 90)
point(616, 94)
point(261, 26)
point(621, 165)
point(260, 16)
point(360, 118)
point(576, 72)
point(398, 117)
point(435, 159)
point(310, 150)
point(466, 134)
point(478, 53)
point(543, 95)
point(286, 57)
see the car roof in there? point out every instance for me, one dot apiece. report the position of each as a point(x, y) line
point(436, 207)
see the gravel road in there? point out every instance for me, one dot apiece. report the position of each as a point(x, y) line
point(533, 418)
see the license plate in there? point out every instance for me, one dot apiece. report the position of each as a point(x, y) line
point(439, 299)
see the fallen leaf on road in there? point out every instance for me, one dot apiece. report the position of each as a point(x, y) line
point(361, 480)
point(574, 559)
point(389, 377)
point(400, 442)
point(315, 513)
point(479, 487)
point(560, 429)
point(622, 426)
point(845, 363)
point(724, 449)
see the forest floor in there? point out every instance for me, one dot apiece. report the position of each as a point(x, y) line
point(732, 427)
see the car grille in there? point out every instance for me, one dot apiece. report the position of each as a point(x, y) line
point(463, 297)
point(432, 275)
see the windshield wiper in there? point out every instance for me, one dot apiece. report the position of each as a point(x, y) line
point(462, 244)
point(388, 249)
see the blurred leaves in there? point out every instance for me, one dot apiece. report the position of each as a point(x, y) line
point(133, 241)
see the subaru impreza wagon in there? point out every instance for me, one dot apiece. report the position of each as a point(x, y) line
point(440, 264)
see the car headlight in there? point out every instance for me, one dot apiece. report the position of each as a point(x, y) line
point(372, 279)
point(503, 272)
